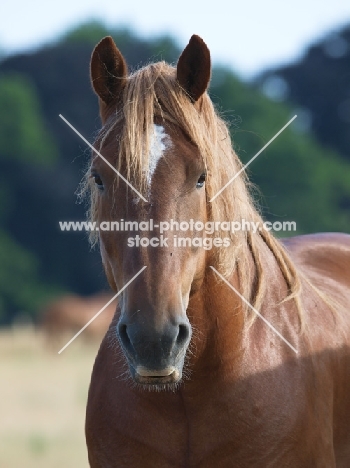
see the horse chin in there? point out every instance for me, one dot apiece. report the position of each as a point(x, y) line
point(165, 378)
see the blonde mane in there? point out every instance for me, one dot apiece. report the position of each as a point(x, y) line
point(153, 91)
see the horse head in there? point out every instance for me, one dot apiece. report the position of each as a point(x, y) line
point(144, 141)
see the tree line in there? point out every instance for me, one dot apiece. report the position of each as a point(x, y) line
point(303, 176)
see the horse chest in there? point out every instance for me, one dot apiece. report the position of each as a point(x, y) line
point(222, 428)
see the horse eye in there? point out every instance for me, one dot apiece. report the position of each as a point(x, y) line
point(200, 181)
point(98, 181)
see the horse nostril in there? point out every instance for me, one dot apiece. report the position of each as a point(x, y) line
point(183, 334)
point(124, 337)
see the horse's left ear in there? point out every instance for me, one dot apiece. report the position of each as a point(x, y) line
point(108, 71)
point(194, 68)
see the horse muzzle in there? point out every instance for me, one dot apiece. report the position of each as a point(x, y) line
point(155, 357)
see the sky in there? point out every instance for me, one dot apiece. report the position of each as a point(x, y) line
point(247, 35)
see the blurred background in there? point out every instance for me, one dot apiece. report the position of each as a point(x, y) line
point(271, 61)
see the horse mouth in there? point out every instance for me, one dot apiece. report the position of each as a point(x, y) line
point(145, 376)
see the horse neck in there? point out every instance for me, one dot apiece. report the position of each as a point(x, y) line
point(219, 318)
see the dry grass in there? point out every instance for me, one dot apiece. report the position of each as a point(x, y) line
point(43, 399)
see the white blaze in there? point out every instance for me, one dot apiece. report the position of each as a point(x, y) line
point(160, 141)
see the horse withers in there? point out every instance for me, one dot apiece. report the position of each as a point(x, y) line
point(188, 375)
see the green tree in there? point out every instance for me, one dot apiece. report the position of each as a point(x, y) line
point(23, 135)
point(24, 143)
point(298, 179)
point(21, 290)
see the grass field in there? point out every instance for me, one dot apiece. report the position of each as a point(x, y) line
point(43, 399)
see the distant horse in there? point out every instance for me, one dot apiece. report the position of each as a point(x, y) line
point(187, 374)
point(67, 314)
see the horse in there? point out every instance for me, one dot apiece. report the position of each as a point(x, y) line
point(189, 374)
point(66, 315)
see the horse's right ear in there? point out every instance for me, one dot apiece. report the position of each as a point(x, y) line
point(108, 72)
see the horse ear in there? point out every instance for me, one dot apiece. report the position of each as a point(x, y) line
point(194, 68)
point(108, 71)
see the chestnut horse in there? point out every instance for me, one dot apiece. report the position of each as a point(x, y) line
point(188, 375)
point(69, 313)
